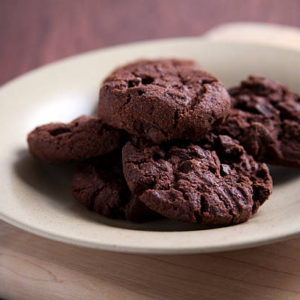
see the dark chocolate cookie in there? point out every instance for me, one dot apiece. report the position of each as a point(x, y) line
point(216, 183)
point(265, 118)
point(163, 100)
point(100, 186)
point(83, 138)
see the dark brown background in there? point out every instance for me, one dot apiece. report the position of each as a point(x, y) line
point(35, 32)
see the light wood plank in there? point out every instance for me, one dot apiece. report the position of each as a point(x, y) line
point(34, 267)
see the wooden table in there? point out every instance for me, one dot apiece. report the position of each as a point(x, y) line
point(35, 32)
point(36, 268)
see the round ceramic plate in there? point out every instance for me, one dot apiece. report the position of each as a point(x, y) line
point(37, 197)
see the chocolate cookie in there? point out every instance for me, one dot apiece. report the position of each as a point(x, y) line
point(163, 100)
point(213, 183)
point(265, 118)
point(100, 186)
point(83, 138)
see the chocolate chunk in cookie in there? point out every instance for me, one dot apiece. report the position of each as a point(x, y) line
point(100, 186)
point(214, 183)
point(83, 138)
point(265, 118)
point(163, 100)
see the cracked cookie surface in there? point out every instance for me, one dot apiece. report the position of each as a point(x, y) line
point(216, 183)
point(265, 118)
point(163, 100)
point(83, 138)
point(99, 185)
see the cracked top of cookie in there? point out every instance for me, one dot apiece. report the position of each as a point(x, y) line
point(265, 117)
point(163, 100)
point(83, 138)
point(213, 183)
point(99, 184)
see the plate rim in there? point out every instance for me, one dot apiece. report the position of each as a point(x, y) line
point(145, 250)
point(142, 249)
point(139, 43)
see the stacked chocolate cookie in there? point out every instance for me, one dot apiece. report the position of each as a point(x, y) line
point(166, 143)
point(265, 118)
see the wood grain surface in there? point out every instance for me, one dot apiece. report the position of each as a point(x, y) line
point(36, 268)
point(35, 32)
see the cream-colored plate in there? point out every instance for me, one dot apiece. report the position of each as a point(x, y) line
point(36, 197)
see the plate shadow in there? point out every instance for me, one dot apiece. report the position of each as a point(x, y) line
point(281, 175)
point(54, 181)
